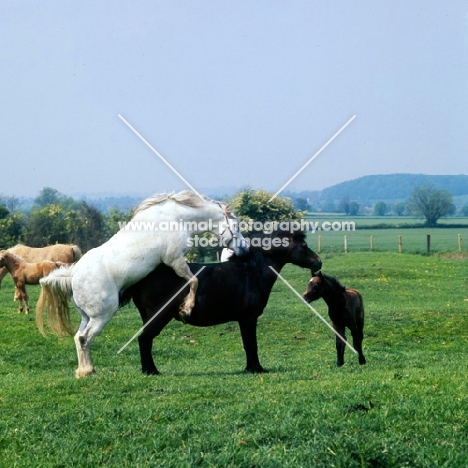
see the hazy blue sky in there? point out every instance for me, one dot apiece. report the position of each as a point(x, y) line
point(231, 93)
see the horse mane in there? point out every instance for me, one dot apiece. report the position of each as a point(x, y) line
point(5, 253)
point(186, 197)
point(335, 283)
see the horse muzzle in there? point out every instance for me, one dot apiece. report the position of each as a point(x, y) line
point(316, 266)
point(239, 246)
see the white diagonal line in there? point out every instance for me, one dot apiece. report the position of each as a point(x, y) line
point(312, 158)
point(316, 313)
point(159, 156)
point(159, 311)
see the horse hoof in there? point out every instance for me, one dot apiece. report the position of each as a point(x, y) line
point(84, 372)
point(256, 370)
point(184, 315)
point(362, 361)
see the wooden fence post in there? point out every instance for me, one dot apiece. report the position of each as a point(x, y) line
point(400, 244)
point(428, 243)
point(346, 244)
point(319, 246)
point(459, 242)
point(371, 240)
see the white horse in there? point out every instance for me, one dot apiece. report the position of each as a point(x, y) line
point(158, 233)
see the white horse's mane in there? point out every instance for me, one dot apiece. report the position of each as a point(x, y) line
point(186, 197)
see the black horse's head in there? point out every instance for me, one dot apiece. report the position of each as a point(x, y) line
point(302, 255)
point(290, 246)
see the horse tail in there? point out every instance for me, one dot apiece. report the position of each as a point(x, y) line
point(55, 293)
point(76, 253)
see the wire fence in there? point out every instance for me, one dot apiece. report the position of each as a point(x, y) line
point(415, 240)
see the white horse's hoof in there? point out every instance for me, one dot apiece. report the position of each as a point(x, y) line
point(184, 313)
point(84, 372)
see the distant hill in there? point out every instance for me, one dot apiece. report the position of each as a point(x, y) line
point(393, 187)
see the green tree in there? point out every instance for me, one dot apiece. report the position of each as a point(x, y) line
point(301, 204)
point(112, 220)
point(344, 205)
point(51, 196)
point(255, 205)
point(4, 212)
point(353, 208)
point(464, 210)
point(431, 203)
point(47, 225)
point(399, 208)
point(380, 208)
point(11, 228)
point(86, 227)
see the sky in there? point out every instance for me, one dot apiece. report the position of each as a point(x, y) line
point(231, 93)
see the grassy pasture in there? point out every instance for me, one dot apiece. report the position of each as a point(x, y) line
point(204, 411)
point(443, 238)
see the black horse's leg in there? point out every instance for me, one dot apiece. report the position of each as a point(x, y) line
point(340, 345)
point(248, 328)
point(357, 343)
point(145, 341)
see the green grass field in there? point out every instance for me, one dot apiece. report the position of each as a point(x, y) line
point(414, 239)
point(205, 411)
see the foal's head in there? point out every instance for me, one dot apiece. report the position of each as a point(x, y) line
point(314, 288)
point(321, 285)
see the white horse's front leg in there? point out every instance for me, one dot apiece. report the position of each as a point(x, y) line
point(182, 270)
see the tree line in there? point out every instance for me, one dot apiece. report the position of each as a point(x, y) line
point(57, 218)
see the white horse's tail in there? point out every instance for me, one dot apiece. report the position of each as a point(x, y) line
point(56, 291)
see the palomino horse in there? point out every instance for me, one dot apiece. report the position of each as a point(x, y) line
point(236, 290)
point(24, 273)
point(159, 232)
point(55, 253)
point(345, 309)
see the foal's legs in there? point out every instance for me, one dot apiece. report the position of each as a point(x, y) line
point(340, 345)
point(358, 336)
point(20, 296)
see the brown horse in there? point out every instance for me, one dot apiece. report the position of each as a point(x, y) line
point(24, 273)
point(345, 309)
point(55, 253)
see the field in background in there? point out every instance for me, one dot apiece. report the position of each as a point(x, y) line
point(386, 239)
point(406, 407)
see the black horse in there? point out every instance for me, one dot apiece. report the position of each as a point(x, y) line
point(345, 309)
point(232, 291)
